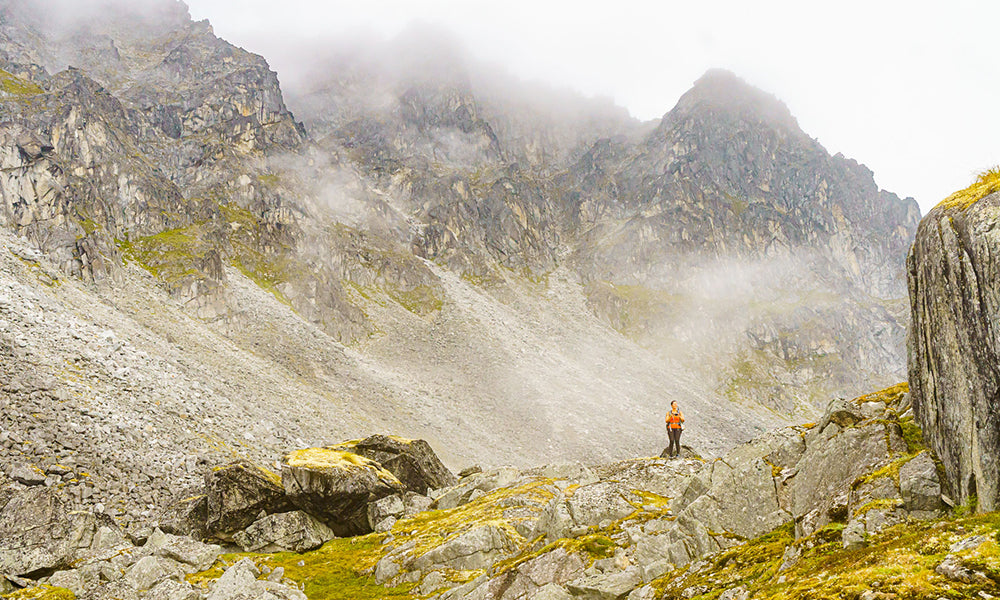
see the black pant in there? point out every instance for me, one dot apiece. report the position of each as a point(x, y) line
point(675, 441)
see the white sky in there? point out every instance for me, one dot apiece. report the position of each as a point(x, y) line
point(910, 89)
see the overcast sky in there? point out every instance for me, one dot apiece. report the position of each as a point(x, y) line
point(910, 89)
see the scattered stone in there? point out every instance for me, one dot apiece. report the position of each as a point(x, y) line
point(952, 568)
point(469, 471)
point(27, 474)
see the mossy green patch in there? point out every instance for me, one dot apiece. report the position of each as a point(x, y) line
point(891, 396)
point(40, 592)
point(890, 470)
point(12, 85)
point(172, 255)
point(339, 570)
point(986, 183)
point(900, 561)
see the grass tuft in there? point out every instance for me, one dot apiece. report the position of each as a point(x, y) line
point(986, 183)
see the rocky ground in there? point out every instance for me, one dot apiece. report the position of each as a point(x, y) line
point(771, 519)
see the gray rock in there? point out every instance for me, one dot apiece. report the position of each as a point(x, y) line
point(952, 568)
point(27, 474)
point(552, 591)
point(531, 577)
point(413, 462)
point(461, 493)
point(952, 270)
point(390, 506)
point(239, 582)
point(477, 548)
point(336, 487)
point(853, 535)
point(151, 570)
point(969, 543)
point(919, 484)
point(293, 531)
point(605, 586)
point(39, 532)
point(736, 593)
point(237, 493)
point(385, 525)
point(171, 589)
point(646, 592)
point(186, 516)
point(198, 556)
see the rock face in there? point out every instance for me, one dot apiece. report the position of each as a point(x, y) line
point(336, 486)
point(413, 462)
point(954, 343)
point(38, 534)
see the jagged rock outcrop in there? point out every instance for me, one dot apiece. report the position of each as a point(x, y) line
point(954, 342)
point(413, 462)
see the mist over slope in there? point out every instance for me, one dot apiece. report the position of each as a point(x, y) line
point(427, 248)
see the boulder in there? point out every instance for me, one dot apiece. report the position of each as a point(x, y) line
point(383, 508)
point(336, 486)
point(477, 548)
point(195, 555)
point(293, 531)
point(413, 462)
point(919, 484)
point(687, 452)
point(236, 495)
point(531, 578)
point(605, 586)
point(39, 533)
point(240, 582)
point(186, 516)
point(953, 272)
point(27, 474)
point(171, 589)
point(151, 570)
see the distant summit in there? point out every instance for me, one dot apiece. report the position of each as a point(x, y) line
point(719, 92)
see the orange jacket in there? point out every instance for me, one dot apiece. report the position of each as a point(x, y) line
point(674, 420)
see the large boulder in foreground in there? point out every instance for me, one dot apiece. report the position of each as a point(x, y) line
point(336, 486)
point(413, 462)
point(237, 493)
point(39, 534)
point(954, 344)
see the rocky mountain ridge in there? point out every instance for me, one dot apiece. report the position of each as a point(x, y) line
point(434, 265)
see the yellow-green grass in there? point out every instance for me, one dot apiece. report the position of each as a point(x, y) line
point(986, 183)
point(900, 561)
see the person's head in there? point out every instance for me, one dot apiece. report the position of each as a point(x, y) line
point(673, 405)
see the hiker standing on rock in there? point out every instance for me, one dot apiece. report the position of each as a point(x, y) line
point(675, 425)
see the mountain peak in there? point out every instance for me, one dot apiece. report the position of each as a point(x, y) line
point(719, 90)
